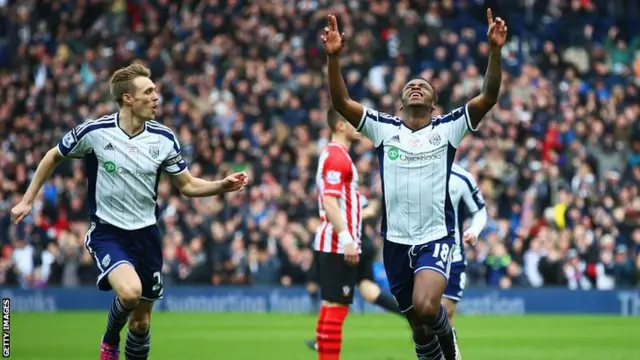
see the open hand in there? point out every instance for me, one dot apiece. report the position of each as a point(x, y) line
point(235, 182)
point(332, 39)
point(497, 33)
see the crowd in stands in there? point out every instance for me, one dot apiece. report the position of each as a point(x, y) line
point(242, 86)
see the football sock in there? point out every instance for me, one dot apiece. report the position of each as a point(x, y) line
point(388, 302)
point(329, 331)
point(137, 345)
point(441, 325)
point(430, 350)
point(446, 337)
point(118, 316)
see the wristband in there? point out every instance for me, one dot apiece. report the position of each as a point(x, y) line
point(345, 238)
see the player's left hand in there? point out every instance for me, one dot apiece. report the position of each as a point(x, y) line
point(470, 238)
point(497, 33)
point(351, 255)
point(235, 182)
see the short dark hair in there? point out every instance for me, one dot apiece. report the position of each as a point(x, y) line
point(333, 118)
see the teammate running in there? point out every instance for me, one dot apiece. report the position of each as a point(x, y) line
point(124, 154)
point(415, 155)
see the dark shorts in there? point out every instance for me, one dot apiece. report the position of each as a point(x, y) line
point(365, 266)
point(111, 246)
point(337, 279)
point(402, 262)
point(457, 281)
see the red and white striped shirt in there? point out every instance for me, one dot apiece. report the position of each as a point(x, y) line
point(337, 176)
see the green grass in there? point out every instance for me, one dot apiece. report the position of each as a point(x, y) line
point(190, 336)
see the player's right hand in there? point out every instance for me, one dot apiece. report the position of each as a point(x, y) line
point(332, 38)
point(20, 211)
point(351, 255)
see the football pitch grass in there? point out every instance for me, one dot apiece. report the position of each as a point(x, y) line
point(194, 336)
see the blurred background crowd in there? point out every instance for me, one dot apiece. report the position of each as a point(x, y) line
point(242, 85)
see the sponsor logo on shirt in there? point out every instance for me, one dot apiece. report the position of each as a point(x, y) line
point(111, 168)
point(396, 154)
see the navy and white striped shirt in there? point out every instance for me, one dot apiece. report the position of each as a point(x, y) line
point(467, 200)
point(415, 167)
point(123, 171)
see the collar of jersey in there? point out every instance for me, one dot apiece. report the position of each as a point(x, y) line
point(144, 127)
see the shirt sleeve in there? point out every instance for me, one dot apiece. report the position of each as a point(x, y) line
point(472, 197)
point(378, 126)
point(76, 143)
point(174, 164)
point(336, 173)
point(456, 124)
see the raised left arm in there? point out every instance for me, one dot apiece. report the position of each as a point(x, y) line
point(191, 186)
point(480, 105)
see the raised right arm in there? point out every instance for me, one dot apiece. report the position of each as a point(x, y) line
point(371, 123)
point(351, 110)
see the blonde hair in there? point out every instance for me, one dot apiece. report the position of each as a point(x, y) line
point(122, 80)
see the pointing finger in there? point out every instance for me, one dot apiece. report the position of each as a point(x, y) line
point(489, 17)
point(333, 23)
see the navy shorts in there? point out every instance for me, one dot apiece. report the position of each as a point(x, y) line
point(402, 262)
point(111, 246)
point(457, 281)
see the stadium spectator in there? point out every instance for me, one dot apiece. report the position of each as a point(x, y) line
point(241, 84)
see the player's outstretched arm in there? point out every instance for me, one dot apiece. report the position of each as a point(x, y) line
point(49, 162)
point(480, 105)
point(333, 42)
point(191, 186)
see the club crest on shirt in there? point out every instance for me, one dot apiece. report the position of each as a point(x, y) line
point(435, 139)
point(154, 151)
point(346, 290)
